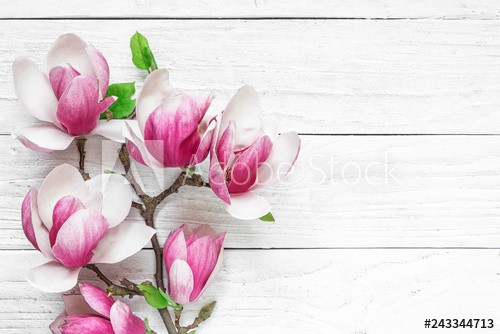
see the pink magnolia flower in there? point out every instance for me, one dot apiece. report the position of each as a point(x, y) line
point(73, 222)
point(192, 258)
point(69, 100)
point(171, 129)
point(248, 153)
point(93, 311)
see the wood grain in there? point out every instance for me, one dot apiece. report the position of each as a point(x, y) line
point(415, 9)
point(362, 191)
point(292, 291)
point(315, 76)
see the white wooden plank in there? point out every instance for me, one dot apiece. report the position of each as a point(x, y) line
point(297, 291)
point(316, 76)
point(421, 191)
point(476, 9)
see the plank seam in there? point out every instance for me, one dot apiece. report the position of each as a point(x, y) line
point(247, 18)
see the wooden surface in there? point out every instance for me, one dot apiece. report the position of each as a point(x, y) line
point(392, 214)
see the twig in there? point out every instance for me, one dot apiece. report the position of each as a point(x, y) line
point(147, 212)
point(205, 313)
point(80, 144)
point(113, 289)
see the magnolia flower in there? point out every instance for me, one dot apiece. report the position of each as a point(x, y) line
point(73, 222)
point(93, 311)
point(171, 129)
point(69, 100)
point(248, 153)
point(192, 258)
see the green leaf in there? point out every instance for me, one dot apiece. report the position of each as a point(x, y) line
point(268, 218)
point(142, 57)
point(124, 104)
point(156, 297)
point(170, 301)
point(153, 296)
point(192, 332)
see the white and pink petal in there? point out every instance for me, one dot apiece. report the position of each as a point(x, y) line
point(122, 242)
point(62, 181)
point(34, 90)
point(53, 277)
point(124, 321)
point(79, 236)
point(248, 206)
point(180, 281)
point(117, 196)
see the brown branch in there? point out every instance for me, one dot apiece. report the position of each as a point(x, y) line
point(147, 212)
point(113, 289)
point(80, 144)
point(125, 160)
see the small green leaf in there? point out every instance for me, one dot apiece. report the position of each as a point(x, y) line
point(268, 218)
point(192, 332)
point(156, 297)
point(170, 301)
point(124, 104)
point(153, 296)
point(142, 57)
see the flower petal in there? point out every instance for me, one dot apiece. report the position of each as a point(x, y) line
point(175, 247)
point(79, 108)
point(245, 111)
point(202, 258)
point(180, 281)
point(53, 277)
point(216, 269)
point(57, 323)
point(121, 242)
point(60, 78)
point(26, 219)
point(248, 206)
point(34, 90)
point(205, 144)
point(101, 69)
point(117, 196)
point(85, 324)
point(217, 179)
point(156, 89)
point(171, 131)
point(225, 147)
point(63, 209)
point(62, 181)
point(70, 49)
point(111, 129)
point(124, 322)
point(244, 169)
point(97, 299)
point(34, 225)
point(75, 304)
point(78, 237)
point(44, 138)
point(283, 155)
point(138, 150)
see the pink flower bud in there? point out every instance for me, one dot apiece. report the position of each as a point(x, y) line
point(172, 130)
point(192, 258)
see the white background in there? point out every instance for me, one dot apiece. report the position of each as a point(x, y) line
point(406, 92)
